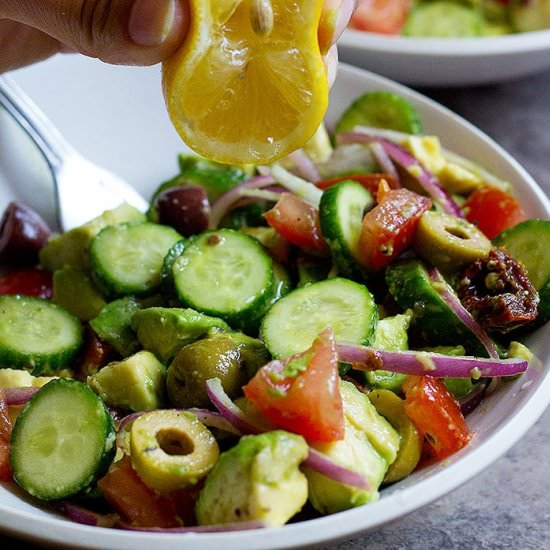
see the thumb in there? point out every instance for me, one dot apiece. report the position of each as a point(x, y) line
point(131, 32)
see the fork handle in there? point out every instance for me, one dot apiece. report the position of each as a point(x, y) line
point(33, 121)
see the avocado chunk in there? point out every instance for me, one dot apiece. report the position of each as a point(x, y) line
point(136, 383)
point(369, 446)
point(74, 290)
point(114, 325)
point(164, 331)
point(71, 248)
point(17, 378)
point(232, 357)
point(258, 479)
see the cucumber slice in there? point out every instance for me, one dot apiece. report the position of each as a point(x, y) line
point(292, 324)
point(409, 284)
point(226, 274)
point(127, 258)
point(37, 334)
point(62, 441)
point(381, 110)
point(445, 20)
point(529, 242)
point(341, 214)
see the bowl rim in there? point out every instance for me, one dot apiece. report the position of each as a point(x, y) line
point(488, 46)
point(470, 461)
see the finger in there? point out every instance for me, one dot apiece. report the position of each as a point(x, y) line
point(132, 32)
point(331, 65)
point(345, 11)
point(22, 45)
point(335, 17)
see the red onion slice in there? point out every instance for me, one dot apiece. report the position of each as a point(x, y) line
point(78, 514)
point(300, 187)
point(227, 200)
point(325, 466)
point(429, 364)
point(385, 163)
point(305, 166)
point(221, 528)
point(18, 396)
point(451, 299)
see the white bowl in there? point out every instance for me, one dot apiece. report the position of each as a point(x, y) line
point(116, 116)
point(448, 61)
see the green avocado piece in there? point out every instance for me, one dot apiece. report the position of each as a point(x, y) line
point(71, 248)
point(113, 324)
point(257, 479)
point(136, 383)
point(164, 331)
point(74, 290)
point(369, 447)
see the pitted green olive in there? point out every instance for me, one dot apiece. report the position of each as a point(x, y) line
point(233, 358)
point(449, 242)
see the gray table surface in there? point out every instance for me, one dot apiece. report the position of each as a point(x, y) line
point(507, 506)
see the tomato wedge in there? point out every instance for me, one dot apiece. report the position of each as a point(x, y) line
point(27, 281)
point(302, 394)
point(381, 16)
point(389, 227)
point(436, 414)
point(298, 222)
point(132, 499)
point(493, 210)
point(369, 181)
point(5, 437)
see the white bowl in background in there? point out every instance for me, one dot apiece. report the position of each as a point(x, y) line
point(448, 61)
point(116, 116)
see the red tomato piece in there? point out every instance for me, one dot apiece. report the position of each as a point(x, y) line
point(27, 281)
point(298, 222)
point(132, 499)
point(381, 16)
point(369, 181)
point(5, 437)
point(436, 414)
point(389, 227)
point(302, 394)
point(493, 210)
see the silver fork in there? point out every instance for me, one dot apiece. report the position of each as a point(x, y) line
point(83, 190)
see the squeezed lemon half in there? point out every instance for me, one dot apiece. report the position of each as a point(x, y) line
point(249, 85)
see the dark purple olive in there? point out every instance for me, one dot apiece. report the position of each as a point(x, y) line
point(185, 208)
point(22, 234)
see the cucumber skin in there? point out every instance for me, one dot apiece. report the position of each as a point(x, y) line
point(410, 286)
point(108, 453)
point(51, 363)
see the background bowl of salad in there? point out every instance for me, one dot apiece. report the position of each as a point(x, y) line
point(130, 134)
point(449, 42)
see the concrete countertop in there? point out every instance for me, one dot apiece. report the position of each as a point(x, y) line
point(507, 506)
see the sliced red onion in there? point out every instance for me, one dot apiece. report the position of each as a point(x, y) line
point(452, 300)
point(18, 396)
point(84, 516)
point(300, 187)
point(429, 364)
point(364, 134)
point(305, 166)
point(228, 409)
point(227, 200)
point(130, 418)
point(385, 163)
point(325, 466)
point(469, 402)
point(415, 168)
point(220, 528)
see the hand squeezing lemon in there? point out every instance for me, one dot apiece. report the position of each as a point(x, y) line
point(249, 84)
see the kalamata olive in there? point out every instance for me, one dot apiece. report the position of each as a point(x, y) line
point(22, 234)
point(185, 208)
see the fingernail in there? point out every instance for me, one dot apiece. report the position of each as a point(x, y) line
point(151, 21)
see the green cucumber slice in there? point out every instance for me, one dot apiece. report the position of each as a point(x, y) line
point(529, 242)
point(292, 324)
point(380, 110)
point(341, 215)
point(36, 334)
point(62, 441)
point(444, 19)
point(127, 258)
point(226, 274)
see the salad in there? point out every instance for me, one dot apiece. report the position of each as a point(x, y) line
point(269, 343)
point(451, 18)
